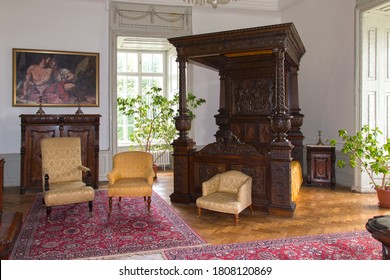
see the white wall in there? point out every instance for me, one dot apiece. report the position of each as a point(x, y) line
point(327, 70)
point(50, 25)
point(326, 76)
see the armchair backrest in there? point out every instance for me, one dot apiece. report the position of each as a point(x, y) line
point(231, 180)
point(132, 164)
point(61, 158)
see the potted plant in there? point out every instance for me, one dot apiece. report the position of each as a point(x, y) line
point(153, 114)
point(369, 155)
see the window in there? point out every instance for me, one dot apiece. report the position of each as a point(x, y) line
point(141, 64)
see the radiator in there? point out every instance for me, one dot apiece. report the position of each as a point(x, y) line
point(161, 158)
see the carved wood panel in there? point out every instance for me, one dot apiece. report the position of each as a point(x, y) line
point(253, 96)
point(258, 174)
point(204, 172)
point(281, 182)
point(34, 168)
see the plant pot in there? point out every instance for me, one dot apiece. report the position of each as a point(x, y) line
point(383, 197)
point(155, 168)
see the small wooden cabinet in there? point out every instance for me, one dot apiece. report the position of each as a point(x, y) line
point(321, 165)
point(37, 127)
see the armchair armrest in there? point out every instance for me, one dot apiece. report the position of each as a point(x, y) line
point(211, 185)
point(149, 175)
point(89, 174)
point(84, 168)
point(113, 176)
point(244, 194)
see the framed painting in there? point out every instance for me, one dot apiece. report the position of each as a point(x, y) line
point(55, 78)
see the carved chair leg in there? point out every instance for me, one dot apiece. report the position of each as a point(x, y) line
point(251, 208)
point(145, 199)
point(120, 199)
point(48, 211)
point(149, 201)
point(199, 211)
point(236, 219)
point(90, 205)
point(109, 204)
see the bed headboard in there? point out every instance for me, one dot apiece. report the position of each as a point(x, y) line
point(229, 153)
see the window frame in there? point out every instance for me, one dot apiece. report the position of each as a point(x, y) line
point(169, 85)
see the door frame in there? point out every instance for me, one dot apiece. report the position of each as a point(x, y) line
point(360, 180)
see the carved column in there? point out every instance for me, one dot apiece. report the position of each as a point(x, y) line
point(295, 135)
point(183, 144)
point(222, 118)
point(280, 147)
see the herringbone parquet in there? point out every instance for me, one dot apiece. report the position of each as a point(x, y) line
point(320, 210)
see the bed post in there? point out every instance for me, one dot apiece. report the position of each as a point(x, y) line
point(183, 145)
point(295, 135)
point(280, 147)
point(222, 118)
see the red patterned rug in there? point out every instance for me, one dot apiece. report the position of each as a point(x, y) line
point(339, 246)
point(73, 234)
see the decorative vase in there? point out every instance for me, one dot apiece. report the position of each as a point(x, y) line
point(383, 197)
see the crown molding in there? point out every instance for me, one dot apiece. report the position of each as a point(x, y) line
point(264, 5)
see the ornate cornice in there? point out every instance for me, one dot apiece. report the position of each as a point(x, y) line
point(265, 5)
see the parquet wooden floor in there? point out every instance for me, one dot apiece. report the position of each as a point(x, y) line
point(320, 210)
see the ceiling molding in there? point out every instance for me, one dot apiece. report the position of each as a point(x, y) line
point(282, 4)
point(264, 5)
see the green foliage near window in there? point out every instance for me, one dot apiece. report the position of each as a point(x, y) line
point(367, 153)
point(154, 127)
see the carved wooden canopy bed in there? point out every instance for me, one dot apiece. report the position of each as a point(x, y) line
point(258, 118)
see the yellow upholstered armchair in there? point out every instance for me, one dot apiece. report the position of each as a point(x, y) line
point(228, 192)
point(132, 175)
point(62, 172)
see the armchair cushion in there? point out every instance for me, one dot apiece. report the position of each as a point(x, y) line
point(69, 194)
point(130, 187)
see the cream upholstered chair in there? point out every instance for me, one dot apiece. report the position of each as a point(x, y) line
point(228, 192)
point(62, 173)
point(132, 175)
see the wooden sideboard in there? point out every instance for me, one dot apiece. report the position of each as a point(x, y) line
point(34, 128)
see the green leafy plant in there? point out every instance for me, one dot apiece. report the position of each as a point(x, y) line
point(367, 153)
point(153, 114)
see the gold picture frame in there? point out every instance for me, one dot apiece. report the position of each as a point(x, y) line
point(55, 78)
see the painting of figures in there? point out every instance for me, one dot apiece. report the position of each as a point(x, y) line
point(55, 78)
